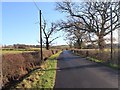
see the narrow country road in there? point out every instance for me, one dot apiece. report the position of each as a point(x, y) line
point(76, 72)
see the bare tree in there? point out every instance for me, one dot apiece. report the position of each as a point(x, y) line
point(79, 37)
point(95, 17)
point(48, 33)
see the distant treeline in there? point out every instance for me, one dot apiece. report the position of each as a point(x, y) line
point(21, 46)
point(24, 46)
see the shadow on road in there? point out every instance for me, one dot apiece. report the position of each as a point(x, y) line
point(68, 58)
point(75, 67)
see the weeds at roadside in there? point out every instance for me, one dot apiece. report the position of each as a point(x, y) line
point(42, 78)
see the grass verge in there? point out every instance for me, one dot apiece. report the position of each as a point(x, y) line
point(43, 77)
point(114, 66)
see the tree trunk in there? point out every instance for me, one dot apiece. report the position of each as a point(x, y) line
point(47, 44)
point(101, 42)
point(79, 44)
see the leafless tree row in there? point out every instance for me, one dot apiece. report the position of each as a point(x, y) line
point(89, 19)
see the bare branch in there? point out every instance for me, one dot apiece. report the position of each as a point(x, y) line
point(53, 40)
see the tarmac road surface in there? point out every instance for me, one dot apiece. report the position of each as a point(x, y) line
point(76, 72)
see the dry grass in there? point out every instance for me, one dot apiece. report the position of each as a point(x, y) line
point(103, 56)
point(17, 65)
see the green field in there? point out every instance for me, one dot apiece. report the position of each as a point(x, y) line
point(16, 51)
